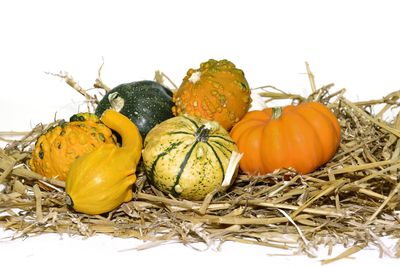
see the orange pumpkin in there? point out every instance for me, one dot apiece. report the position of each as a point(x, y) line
point(302, 137)
point(216, 91)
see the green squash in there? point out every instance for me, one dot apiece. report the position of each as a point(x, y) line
point(145, 103)
point(188, 157)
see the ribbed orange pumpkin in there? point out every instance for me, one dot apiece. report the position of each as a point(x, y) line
point(302, 137)
point(217, 91)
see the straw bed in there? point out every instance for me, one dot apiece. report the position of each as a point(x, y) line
point(353, 200)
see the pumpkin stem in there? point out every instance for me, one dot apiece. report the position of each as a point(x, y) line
point(276, 113)
point(202, 133)
point(117, 103)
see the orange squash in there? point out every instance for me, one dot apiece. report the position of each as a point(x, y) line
point(302, 137)
point(60, 146)
point(216, 91)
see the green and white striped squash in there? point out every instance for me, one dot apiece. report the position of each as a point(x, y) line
point(188, 157)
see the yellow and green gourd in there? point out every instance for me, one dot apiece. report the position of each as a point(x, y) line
point(216, 91)
point(101, 180)
point(187, 156)
point(56, 149)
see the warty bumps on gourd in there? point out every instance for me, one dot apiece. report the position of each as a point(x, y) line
point(216, 91)
point(56, 149)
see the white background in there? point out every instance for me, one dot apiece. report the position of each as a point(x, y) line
point(354, 44)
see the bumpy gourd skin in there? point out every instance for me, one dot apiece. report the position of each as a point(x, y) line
point(102, 180)
point(61, 145)
point(216, 91)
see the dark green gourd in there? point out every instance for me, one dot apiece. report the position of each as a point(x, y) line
point(146, 103)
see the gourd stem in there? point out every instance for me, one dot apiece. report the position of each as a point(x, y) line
point(276, 113)
point(130, 134)
point(68, 201)
point(202, 133)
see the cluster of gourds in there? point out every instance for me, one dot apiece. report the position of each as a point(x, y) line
point(186, 139)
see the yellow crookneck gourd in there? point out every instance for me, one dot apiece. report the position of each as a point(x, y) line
point(102, 180)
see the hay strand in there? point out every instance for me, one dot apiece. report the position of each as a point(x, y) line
point(353, 200)
point(345, 254)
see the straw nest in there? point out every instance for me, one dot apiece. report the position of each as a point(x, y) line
point(353, 200)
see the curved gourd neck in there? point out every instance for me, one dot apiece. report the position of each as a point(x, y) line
point(128, 131)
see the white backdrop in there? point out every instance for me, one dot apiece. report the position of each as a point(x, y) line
point(354, 44)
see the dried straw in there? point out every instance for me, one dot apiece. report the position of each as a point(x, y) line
point(353, 200)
